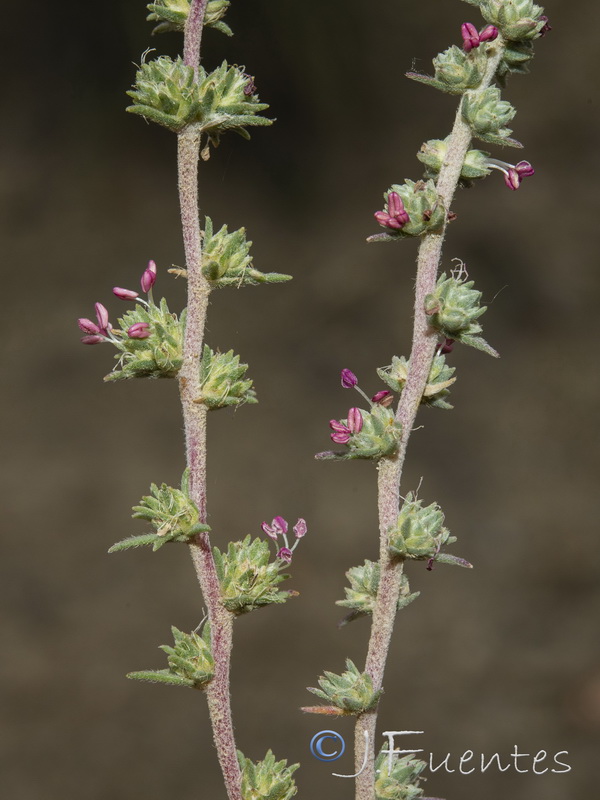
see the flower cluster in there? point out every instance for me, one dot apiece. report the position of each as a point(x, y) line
point(395, 217)
point(411, 209)
point(279, 527)
point(368, 434)
point(472, 38)
point(513, 173)
point(103, 331)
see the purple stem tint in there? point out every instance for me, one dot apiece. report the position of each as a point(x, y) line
point(425, 342)
point(194, 415)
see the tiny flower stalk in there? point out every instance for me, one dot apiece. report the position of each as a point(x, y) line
point(447, 310)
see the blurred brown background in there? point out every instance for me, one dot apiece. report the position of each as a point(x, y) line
point(506, 655)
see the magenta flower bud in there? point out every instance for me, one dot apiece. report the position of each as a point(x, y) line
point(343, 437)
point(470, 36)
point(338, 427)
point(92, 339)
point(349, 379)
point(141, 330)
point(285, 554)
point(383, 218)
point(396, 208)
point(355, 420)
point(447, 347)
point(280, 524)
point(124, 294)
point(395, 217)
point(277, 527)
point(488, 34)
point(300, 528)
point(149, 277)
point(524, 169)
point(512, 179)
point(102, 316)
point(384, 398)
point(547, 27)
point(271, 532)
point(87, 326)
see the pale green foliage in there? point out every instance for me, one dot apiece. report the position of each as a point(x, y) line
point(248, 578)
point(190, 661)
point(267, 779)
point(362, 592)
point(455, 70)
point(172, 513)
point(166, 92)
point(487, 115)
point(453, 309)
point(438, 383)
point(222, 380)
point(351, 692)
point(433, 153)
point(423, 206)
point(379, 436)
point(158, 356)
point(401, 782)
point(515, 19)
point(226, 259)
point(420, 533)
point(515, 58)
point(171, 15)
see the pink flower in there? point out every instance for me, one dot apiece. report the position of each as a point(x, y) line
point(383, 398)
point(87, 326)
point(349, 379)
point(355, 420)
point(300, 528)
point(124, 294)
point(278, 527)
point(396, 216)
point(141, 330)
point(285, 554)
point(148, 277)
point(102, 317)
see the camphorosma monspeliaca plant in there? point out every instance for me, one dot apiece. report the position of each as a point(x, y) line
point(447, 311)
point(152, 342)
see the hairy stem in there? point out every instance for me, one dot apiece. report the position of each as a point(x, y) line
point(194, 415)
point(424, 344)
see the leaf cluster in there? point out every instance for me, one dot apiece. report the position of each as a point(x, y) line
point(401, 782)
point(438, 383)
point(167, 92)
point(454, 308)
point(171, 15)
point(487, 115)
point(433, 154)
point(172, 513)
point(226, 259)
point(455, 70)
point(351, 692)
point(190, 661)
point(248, 578)
point(362, 592)
point(267, 779)
point(159, 355)
point(420, 534)
point(222, 380)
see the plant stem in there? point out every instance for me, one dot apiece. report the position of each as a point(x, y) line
point(425, 340)
point(194, 415)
